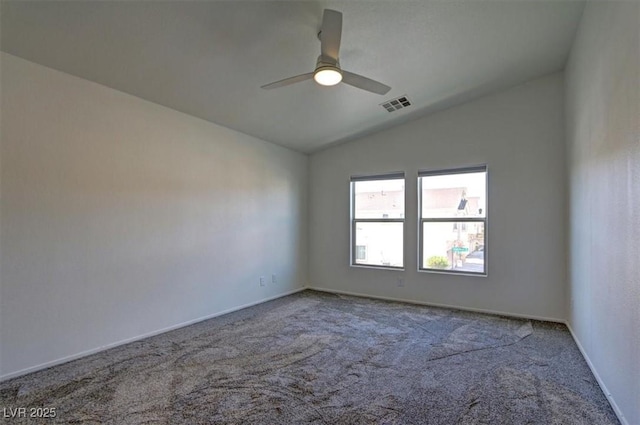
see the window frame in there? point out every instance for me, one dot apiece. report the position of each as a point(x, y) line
point(484, 220)
point(354, 221)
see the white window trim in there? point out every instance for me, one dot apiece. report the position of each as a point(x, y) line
point(354, 221)
point(485, 220)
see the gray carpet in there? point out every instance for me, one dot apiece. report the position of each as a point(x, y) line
point(314, 358)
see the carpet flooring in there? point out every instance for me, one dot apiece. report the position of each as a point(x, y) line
point(315, 358)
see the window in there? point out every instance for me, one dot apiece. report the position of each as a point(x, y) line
point(453, 220)
point(377, 221)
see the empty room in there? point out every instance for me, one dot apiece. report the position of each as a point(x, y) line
point(309, 212)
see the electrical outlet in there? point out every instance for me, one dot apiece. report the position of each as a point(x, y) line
point(273, 278)
point(400, 282)
point(262, 281)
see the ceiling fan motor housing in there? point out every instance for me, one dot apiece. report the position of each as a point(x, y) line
point(327, 62)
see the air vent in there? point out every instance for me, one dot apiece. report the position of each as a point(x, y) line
point(395, 104)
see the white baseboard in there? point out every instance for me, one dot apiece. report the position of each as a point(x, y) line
point(603, 387)
point(430, 304)
point(76, 356)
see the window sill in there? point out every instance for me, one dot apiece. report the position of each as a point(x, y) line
point(453, 273)
point(364, 266)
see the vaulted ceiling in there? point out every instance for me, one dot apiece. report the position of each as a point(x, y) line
point(209, 59)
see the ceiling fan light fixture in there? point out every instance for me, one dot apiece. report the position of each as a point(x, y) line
point(327, 71)
point(327, 76)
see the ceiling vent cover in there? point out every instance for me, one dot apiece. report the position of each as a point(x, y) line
point(397, 103)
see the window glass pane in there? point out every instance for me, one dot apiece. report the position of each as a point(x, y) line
point(453, 246)
point(379, 199)
point(381, 243)
point(454, 195)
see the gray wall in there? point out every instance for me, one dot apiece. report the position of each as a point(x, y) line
point(121, 218)
point(603, 134)
point(519, 133)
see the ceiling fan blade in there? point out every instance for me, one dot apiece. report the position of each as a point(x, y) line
point(364, 83)
point(288, 81)
point(331, 33)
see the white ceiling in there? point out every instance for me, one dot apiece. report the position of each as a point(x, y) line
point(209, 59)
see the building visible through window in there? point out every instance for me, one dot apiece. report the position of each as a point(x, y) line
point(361, 252)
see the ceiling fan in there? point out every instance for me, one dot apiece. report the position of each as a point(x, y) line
point(328, 71)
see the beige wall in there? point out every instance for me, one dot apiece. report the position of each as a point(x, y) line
point(519, 134)
point(603, 138)
point(120, 217)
